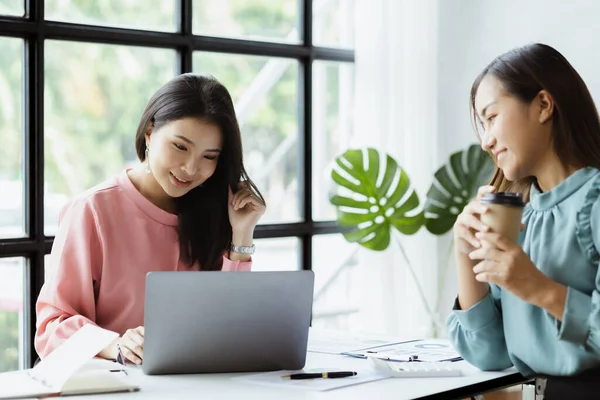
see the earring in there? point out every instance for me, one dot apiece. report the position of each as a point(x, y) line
point(147, 159)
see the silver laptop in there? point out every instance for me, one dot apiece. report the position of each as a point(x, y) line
point(201, 322)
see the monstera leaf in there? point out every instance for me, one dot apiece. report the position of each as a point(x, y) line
point(371, 204)
point(454, 185)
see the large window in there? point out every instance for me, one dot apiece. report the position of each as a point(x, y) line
point(88, 121)
point(75, 76)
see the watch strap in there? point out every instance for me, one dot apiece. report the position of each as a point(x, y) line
point(242, 249)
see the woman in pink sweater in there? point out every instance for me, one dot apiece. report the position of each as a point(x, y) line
point(189, 205)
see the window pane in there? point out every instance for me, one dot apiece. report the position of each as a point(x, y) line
point(333, 94)
point(11, 313)
point(281, 254)
point(92, 113)
point(155, 15)
point(265, 93)
point(11, 138)
point(12, 7)
point(333, 23)
point(267, 20)
point(47, 267)
point(336, 282)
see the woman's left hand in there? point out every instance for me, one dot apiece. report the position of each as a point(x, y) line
point(245, 210)
point(507, 266)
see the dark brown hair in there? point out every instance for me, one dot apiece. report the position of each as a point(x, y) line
point(204, 229)
point(525, 71)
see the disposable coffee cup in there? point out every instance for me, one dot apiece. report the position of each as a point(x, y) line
point(505, 210)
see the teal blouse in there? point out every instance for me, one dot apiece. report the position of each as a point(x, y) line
point(562, 238)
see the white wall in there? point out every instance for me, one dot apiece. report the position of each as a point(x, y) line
point(473, 32)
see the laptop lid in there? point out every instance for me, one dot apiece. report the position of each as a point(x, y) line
point(214, 321)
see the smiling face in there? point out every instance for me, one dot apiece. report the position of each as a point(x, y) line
point(516, 133)
point(183, 154)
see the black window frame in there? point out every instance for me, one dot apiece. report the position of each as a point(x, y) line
point(34, 30)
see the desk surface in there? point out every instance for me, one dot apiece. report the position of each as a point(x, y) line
point(221, 386)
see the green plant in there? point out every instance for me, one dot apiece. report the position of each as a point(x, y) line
point(9, 341)
point(454, 185)
point(374, 200)
point(373, 207)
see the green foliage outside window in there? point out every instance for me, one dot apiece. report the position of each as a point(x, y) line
point(9, 341)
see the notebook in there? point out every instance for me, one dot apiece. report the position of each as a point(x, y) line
point(70, 369)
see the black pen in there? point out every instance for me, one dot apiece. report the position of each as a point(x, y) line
point(325, 375)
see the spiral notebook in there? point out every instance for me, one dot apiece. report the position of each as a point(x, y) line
point(70, 369)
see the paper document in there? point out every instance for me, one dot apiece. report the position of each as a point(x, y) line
point(338, 342)
point(67, 369)
point(318, 384)
point(66, 359)
point(421, 350)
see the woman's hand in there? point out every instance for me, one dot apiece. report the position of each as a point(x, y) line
point(132, 345)
point(505, 264)
point(468, 223)
point(245, 210)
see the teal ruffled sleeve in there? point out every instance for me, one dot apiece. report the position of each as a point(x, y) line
point(478, 335)
point(587, 230)
point(581, 318)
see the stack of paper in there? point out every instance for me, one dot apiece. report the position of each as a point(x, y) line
point(422, 350)
point(390, 348)
point(330, 341)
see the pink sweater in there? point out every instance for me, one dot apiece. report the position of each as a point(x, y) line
point(108, 240)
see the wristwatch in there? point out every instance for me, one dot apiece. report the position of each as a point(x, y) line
point(242, 249)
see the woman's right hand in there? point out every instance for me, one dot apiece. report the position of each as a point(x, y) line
point(132, 345)
point(468, 223)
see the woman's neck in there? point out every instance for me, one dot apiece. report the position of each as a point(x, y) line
point(147, 185)
point(553, 172)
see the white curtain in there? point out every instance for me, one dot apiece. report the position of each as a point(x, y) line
point(396, 112)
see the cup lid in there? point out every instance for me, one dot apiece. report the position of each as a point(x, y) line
point(504, 198)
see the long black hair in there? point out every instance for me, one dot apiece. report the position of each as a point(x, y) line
point(525, 71)
point(203, 228)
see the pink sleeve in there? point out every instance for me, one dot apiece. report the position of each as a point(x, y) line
point(67, 300)
point(229, 265)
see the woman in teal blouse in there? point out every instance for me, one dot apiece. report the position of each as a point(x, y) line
point(535, 304)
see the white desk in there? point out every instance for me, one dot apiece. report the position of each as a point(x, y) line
point(221, 386)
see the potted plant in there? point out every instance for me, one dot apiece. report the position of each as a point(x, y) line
point(375, 206)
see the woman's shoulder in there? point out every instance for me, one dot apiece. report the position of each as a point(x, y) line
point(104, 194)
